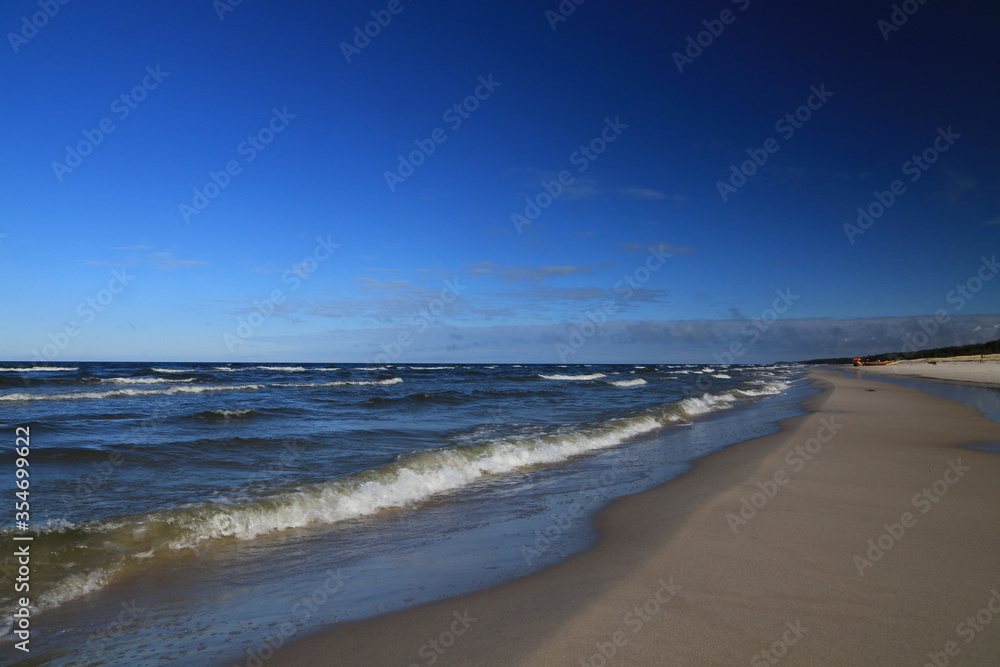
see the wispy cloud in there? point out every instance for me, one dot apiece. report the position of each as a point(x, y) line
point(519, 274)
point(640, 193)
point(586, 187)
point(666, 248)
point(681, 341)
point(141, 255)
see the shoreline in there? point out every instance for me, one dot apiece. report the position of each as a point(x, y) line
point(968, 371)
point(674, 576)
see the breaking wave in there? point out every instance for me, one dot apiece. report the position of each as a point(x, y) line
point(342, 383)
point(113, 393)
point(637, 382)
point(38, 369)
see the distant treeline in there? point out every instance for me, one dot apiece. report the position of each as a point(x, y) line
point(993, 347)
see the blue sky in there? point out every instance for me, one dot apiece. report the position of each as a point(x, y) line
point(192, 180)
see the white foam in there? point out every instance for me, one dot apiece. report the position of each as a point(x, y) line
point(111, 393)
point(636, 382)
point(286, 369)
point(401, 484)
point(38, 369)
point(699, 405)
point(225, 369)
point(144, 380)
point(232, 413)
point(588, 376)
point(432, 368)
point(722, 376)
point(72, 587)
point(341, 383)
point(767, 389)
point(174, 370)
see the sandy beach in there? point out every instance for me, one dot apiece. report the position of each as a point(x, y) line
point(969, 370)
point(862, 533)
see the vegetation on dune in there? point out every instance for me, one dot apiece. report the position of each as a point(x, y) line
point(992, 347)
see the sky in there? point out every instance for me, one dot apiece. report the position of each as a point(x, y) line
point(526, 181)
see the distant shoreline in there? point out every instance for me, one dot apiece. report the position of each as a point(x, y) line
point(950, 370)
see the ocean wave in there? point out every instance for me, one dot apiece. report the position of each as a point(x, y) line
point(430, 368)
point(699, 405)
point(588, 376)
point(226, 414)
point(174, 370)
point(400, 484)
point(722, 376)
point(224, 369)
point(38, 369)
point(449, 397)
point(112, 393)
point(285, 369)
point(103, 551)
point(636, 382)
point(341, 383)
point(143, 380)
point(767, 389)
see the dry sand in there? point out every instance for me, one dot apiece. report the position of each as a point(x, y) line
point(672, 583)
point(967, 370)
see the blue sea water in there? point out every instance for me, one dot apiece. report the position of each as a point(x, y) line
point(209, 513)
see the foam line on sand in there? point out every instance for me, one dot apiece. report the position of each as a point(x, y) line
point(868, 535)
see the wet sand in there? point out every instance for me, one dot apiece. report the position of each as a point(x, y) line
point(862, 533)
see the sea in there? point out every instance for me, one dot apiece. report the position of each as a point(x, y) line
point(210, 513)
